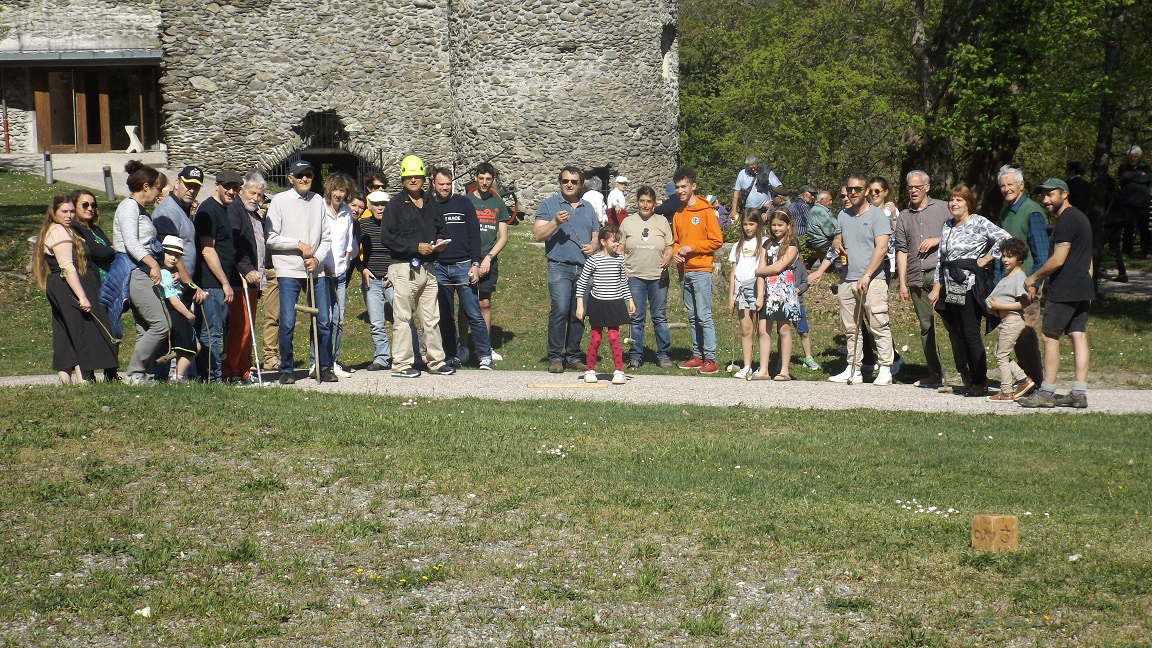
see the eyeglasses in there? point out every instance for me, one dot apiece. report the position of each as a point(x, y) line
point(571, 181)
point(86, 205)
point(916, 187)
point(853, 190)
point(875, 192)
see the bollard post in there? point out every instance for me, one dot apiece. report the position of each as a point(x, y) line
point(48, 179)
point(109, 190)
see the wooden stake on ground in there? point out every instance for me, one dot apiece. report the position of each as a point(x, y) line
point(995, 532)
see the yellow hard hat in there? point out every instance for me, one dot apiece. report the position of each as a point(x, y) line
point(412, 166)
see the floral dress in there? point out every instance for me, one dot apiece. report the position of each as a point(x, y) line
point(781, 301)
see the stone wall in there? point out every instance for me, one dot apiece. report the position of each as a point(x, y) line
point(453, 81)
point(70, 25)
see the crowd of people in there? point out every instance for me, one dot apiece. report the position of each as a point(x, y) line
point(205, 280)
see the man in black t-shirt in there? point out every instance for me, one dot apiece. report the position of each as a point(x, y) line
point(216, 265)
point(1068, 297)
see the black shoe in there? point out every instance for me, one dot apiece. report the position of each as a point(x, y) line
point(376, 366)
point(1121, 278)
point(444, 370)
point(410, 372)
point(976, 391)
point(327, 375)
point(287, 379)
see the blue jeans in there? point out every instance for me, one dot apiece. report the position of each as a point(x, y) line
point(650, 293)
point(378, 301)
point(697, 287)
point(210, 330)
point(290, 289)
point(564, 330)
point(457, 273)
point(338, 289)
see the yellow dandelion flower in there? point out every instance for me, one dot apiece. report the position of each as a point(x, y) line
point(425, 577)
point(360, 570)
point(1047, 618)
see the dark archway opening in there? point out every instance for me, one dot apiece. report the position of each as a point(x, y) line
point(325, 147)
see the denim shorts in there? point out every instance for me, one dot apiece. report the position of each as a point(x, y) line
point(746, 295)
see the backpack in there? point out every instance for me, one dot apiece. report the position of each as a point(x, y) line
point(763, 184)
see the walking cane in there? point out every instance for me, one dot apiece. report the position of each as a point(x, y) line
point(251, 330)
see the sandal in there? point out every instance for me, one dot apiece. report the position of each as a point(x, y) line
point(757, 376)
point(782, 378)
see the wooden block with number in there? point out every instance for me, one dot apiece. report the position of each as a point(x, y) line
point(995, 532)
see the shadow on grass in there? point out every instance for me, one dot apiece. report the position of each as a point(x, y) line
point(1109, 307)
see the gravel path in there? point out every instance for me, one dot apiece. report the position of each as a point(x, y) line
point(686, 390)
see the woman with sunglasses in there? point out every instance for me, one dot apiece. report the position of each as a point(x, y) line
point(97, 244)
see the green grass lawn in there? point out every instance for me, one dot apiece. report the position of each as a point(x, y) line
point(285, 515)
point(1118, 326)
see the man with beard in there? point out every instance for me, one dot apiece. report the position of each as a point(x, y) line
point(248, 237)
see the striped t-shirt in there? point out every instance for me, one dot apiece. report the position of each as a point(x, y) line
point(608, 276)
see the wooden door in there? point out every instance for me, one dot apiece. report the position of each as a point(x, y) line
point(92, 126)
point(53, 95)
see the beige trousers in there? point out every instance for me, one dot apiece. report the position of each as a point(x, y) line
point(415, 292)
point(1010, 373)
point(875, 315)
point(270, 324)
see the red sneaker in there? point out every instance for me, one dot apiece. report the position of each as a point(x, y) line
point(692, 363)
point(709, 367)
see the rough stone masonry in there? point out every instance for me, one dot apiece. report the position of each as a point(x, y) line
point(454, 81)
point(591, 83)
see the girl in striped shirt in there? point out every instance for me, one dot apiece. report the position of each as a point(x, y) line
point(610, 303)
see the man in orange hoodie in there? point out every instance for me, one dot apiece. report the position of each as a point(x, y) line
point(695, 238)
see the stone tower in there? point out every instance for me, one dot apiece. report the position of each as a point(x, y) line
point(251, 83)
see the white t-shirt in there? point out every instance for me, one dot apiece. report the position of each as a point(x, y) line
point(616, 199)
point(746, 257)
point(596, 199)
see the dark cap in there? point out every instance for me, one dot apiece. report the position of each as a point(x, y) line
point(298, 168)
point(808, 189)
point(191, 175)
point(1054, 183)
point(228, 176)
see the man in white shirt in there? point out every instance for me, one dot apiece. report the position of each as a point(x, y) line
point(617, 202)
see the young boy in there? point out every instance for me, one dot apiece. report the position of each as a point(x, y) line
point(1008, 301)
point(181, 337)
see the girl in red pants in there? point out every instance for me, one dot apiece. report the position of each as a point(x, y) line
point(610, 302)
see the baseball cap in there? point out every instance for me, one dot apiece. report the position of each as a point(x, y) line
point(622, 179)
point(299, 167)
point(173, 244)
point(377, 197)
point(227, 177)
point(808, 189)
point(1054, 183)
point(191, 175)
point(779, 190)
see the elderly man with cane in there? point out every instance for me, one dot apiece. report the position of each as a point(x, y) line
point(298, 237)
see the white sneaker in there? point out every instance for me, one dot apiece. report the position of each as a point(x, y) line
point(899, 362)
point(496, 357)
point(312, 369)
point(743, 373)
point(883, 377)
point(590, 376)
point(618, 377)
point(843, 376)
point(340, 371)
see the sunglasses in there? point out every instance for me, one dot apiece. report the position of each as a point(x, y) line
point(86, 205)
point(571, 182)
point(853, 190)
point(303, 176)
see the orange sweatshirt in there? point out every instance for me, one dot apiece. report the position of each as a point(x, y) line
point(697, 227)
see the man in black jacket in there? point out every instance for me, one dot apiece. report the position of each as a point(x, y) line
point(413, 229)
point(248, 257)
point(1133, 178)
